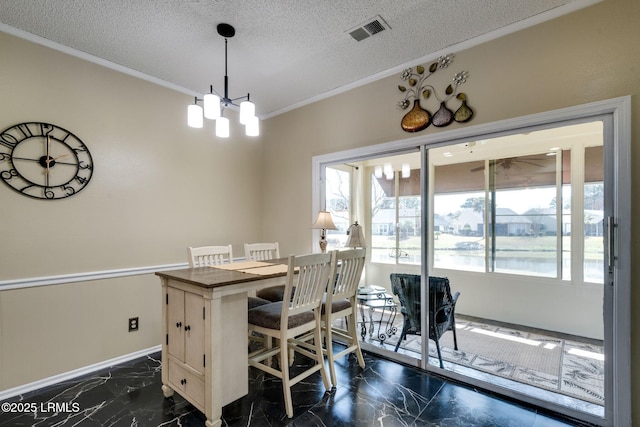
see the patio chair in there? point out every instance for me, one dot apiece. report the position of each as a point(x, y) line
point(442, 307)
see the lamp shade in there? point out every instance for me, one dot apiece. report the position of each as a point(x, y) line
point(222, 127)
point(355, 236)
point(247, 110)
point(211, 106)
point(253, 126)
point(406, 170)
point(377, 172)
point(194, 116)
point(324, 221)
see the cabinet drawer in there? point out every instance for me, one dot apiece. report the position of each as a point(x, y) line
point(187, 383)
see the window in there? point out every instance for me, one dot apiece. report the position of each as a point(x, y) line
point(396, 212)
point(513, 204)
point(338, 200)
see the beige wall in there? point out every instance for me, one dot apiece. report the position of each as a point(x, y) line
point(588, 56)
point(160, 186)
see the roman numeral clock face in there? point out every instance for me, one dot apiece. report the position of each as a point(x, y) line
point(44, 161)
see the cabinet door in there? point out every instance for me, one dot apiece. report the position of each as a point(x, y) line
point(176, 323)
point(194, 331)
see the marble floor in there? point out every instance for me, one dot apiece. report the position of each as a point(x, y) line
point(385, 393)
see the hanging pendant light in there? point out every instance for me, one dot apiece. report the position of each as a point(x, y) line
point(222, 127)
point(211, 105)
point(214, 104)
point(247, 111)
point(406, 170)
point(253, 126)
point(194, 115)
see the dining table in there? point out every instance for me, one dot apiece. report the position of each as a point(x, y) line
point(205, 330)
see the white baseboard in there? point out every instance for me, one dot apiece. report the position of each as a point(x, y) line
point(45, 382)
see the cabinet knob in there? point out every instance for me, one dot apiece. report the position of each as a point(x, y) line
point(183, 381)
point(179, 325)
point(187, 328)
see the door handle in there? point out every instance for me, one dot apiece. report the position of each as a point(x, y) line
point(610, 241)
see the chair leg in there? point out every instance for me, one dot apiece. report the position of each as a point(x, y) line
point(351, 327)
point(328, 338)
point(453, 328)
point(284, 369)
point(403, 335)
point(320, 356)
point(439, 353)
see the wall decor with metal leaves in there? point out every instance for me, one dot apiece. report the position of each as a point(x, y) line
point(416, 88)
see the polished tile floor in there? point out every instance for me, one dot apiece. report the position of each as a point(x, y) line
point(385, 393)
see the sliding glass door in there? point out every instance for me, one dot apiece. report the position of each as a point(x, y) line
point(516, 224)
point(529, 225)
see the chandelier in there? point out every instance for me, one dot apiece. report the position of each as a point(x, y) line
point(215, 104)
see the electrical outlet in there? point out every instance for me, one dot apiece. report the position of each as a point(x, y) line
point(133, 324)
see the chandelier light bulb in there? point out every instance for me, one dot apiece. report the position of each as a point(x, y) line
point(194, 116)
point(406, 170)
point(211, 106)
point(253, 126)
point(247, 111)
point(388, 171)
point(222, 127)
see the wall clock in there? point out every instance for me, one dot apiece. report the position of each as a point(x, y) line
point(44, 161)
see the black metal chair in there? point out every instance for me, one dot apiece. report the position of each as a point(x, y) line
point(442, 307)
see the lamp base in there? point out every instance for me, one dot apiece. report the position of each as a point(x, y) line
point(323, 245)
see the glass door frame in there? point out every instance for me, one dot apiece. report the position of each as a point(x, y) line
point(617, 310)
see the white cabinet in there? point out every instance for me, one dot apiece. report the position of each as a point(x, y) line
point(204, 340)
point(185, 344)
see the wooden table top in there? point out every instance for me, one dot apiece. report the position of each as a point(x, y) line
point(212, 277)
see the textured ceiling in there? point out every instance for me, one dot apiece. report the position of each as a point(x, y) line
point(286, 53)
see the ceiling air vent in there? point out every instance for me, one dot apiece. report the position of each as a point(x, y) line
point(369, 28)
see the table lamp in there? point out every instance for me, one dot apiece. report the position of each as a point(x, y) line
point(355, 236)
point(324, 222)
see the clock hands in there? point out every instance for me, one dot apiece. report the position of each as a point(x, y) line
point(43, 160)
point(47, 161)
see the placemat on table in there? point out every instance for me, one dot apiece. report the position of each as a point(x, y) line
point(243, 265)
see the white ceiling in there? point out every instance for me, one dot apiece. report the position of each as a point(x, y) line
point(286, 53)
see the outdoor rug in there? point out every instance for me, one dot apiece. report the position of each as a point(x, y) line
point(564, 366)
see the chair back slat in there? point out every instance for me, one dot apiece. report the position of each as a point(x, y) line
point(350, 264)
point(261, 251)
point(307, 279)
point(209, 255)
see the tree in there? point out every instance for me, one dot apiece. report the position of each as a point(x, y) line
point(476, 203)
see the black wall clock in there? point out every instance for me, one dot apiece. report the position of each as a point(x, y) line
point(44, 161)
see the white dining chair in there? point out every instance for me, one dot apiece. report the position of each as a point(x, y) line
point(286, 320)
point(204, 256)
point(265, 252)
point(340, 302)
